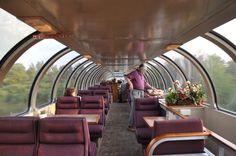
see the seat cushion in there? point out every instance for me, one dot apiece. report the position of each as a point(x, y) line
point(61, 150)
point(96, 131)
point(17, 150)
point(144, 133)
point(67, 111)
point(92, 149)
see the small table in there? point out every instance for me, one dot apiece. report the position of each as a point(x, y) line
point(150, 119)
point(90, 118)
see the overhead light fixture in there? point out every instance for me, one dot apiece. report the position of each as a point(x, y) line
point(172, 46)
point(87, 56)
point(39, 23)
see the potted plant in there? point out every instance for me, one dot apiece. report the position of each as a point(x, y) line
point(189, 94)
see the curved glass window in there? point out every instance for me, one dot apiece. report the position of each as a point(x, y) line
point(14, 92)
point(175, 74)
point(220, 67)
point(12, 31)
point(188, 68)
point(44, 92)
point(228, 30)
point(164, 73)
point(74, 77)
point(65, 76)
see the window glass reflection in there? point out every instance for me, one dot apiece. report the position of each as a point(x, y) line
point(220, 67)
point(14, 92)
point(44, 92)
point(228, 30)
point(12, 31)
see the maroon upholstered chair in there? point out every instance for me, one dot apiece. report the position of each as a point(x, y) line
point(178, 126)
point(18, 136)
point(85, 93)
point(105, 94)
point(94, 105)
point(145, 107)
point(64, 136)
point(67, 105)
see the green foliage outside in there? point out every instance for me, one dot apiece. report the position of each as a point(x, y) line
point(16, 85)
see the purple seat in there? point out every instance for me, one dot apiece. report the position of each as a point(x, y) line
point(105, 94)
point(94, 105)
point(67, 105)
point(85, 93)
point(178, 126)
point(145, 107)
point(18, 136)
point(65, 136)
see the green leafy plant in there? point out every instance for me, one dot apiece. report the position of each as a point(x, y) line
point(188, 94)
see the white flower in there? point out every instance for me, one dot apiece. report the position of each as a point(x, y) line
point(195, 89)
point(188, 82)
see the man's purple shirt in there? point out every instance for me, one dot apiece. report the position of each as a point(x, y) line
point(138, 80)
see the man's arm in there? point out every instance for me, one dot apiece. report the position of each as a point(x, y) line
point(129, 82)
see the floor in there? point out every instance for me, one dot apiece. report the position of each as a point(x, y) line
point(117, 140)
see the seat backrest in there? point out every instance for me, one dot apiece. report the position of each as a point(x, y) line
point(104, 93)
point(85, 93)
point(18, 136)
point(93, 88)
point(146, 104)
point(63, 136)
point(93, 105)
point(108, 87)
point(67, 105)
point(146, 107)
point(178, 126)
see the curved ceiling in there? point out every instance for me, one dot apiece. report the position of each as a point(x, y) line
point(119, 34)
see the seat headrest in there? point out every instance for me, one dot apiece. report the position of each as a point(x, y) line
point(68, 99)
point(178, 126)
point(18, 130)
point(63, 130)
point(147, 104)
point(92, 102)
point(85, 92)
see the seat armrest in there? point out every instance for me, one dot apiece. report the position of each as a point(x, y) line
point(174, 137)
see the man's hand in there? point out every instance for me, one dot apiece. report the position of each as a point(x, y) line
point(131, 87)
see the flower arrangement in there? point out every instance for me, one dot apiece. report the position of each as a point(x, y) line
point(188, 94)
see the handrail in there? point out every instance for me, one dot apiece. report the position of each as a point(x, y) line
point(174, 137)
point(212, 134)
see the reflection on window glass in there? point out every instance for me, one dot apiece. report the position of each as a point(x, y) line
point(44, 92)
point(65, 76)
point(175, 73)
point(220, 67)
point(74, 77)
point(228, 30)
point(187, 67)
point(12, 31)
point(16, 86)
point(157, 75)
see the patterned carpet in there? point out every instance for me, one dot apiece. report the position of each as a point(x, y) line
point(117, 140)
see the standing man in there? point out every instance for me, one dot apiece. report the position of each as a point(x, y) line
point(137, 85)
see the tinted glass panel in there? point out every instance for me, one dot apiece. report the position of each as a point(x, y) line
point(44, 93)
point(14, 92)
point(65, 76)
point(221, 68)
point(187, 67)
point(228, 30)
point(12, 31)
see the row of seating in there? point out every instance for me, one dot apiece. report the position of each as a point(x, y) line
point(84, 105)
point(145, 107)
point(104, 93)
point(54, 136)
point(148, 137)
